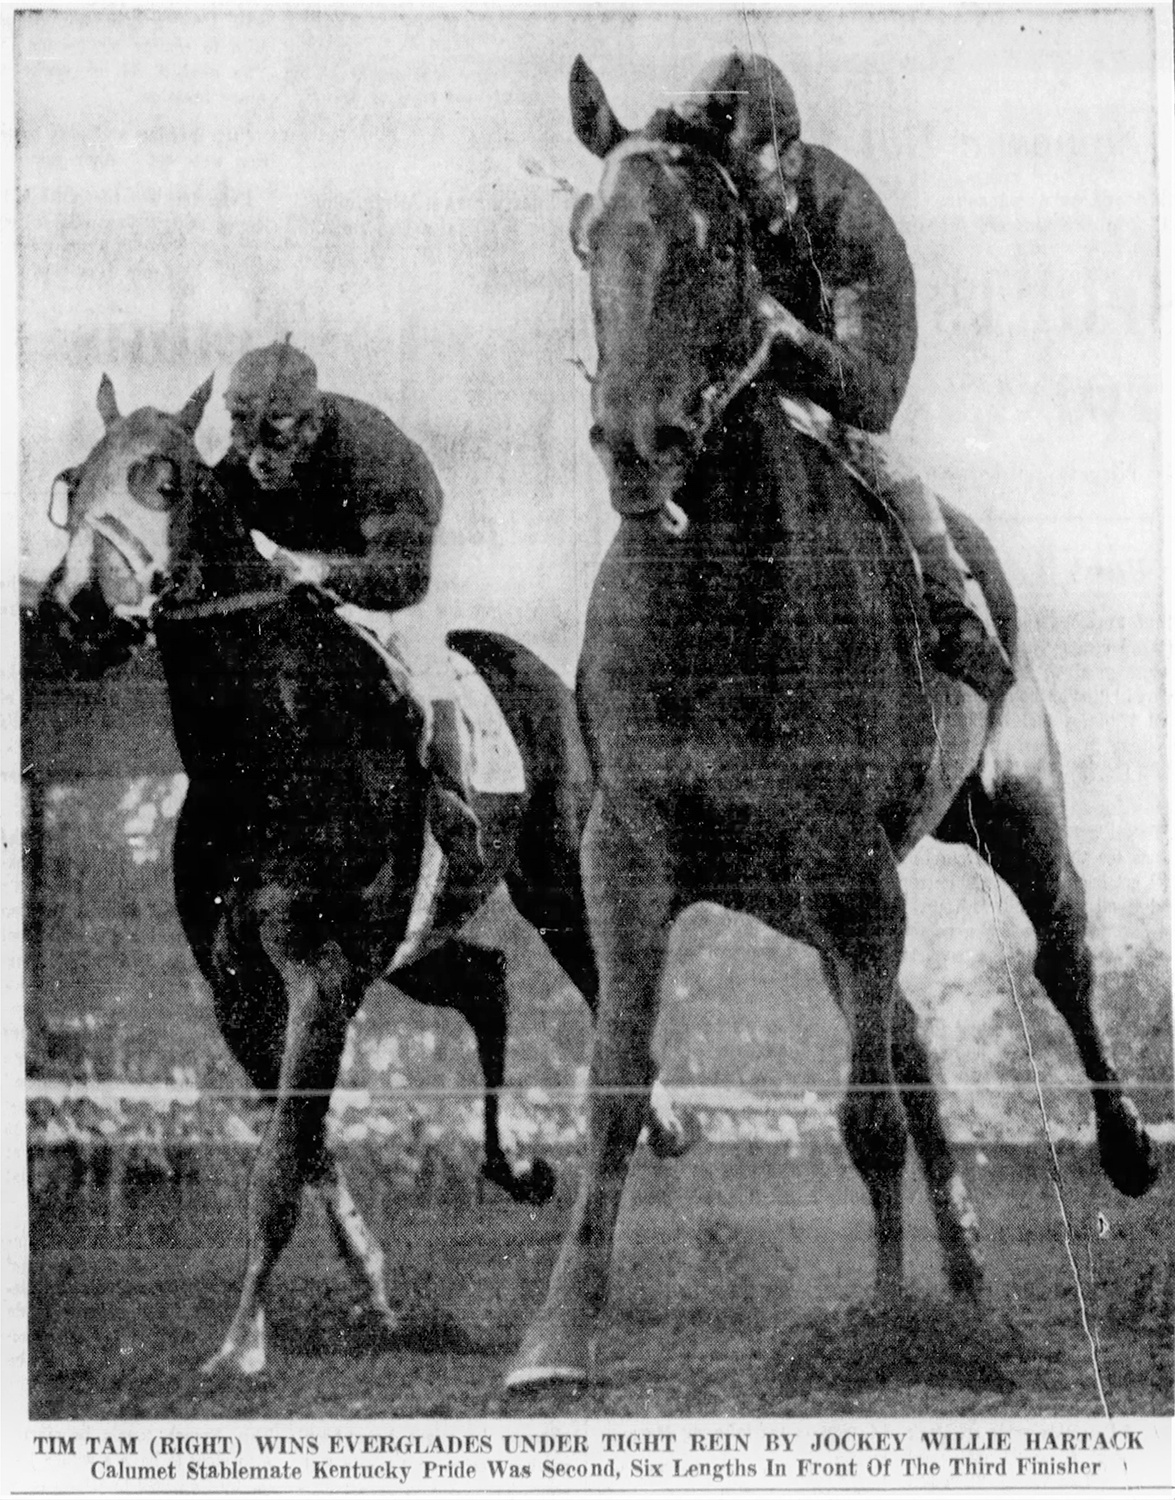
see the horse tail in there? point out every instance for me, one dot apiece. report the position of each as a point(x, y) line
point(539, 708)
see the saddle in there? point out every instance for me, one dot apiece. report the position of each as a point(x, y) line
point(815, 423)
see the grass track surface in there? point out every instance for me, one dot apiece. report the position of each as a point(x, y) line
point(740, 1287)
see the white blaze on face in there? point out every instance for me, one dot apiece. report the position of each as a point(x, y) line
point(121, 525)
point(79, 567)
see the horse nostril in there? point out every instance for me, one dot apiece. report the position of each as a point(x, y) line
point(672, 440)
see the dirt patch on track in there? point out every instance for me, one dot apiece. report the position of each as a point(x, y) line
point(741, 1287)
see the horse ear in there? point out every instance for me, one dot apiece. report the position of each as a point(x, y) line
point(596, 127)
point(193, 409)
point(107, 405)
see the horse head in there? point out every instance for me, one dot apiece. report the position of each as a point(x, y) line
point(132, 510)
point(675, 298)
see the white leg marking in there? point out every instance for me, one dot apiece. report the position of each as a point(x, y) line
point(661, 1106)
point(359, 1246)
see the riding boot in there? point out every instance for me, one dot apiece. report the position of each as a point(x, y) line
point(450, 807)
point(962, 648)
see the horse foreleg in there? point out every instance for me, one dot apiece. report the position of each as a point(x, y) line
point(632, 905)
point(292, 1148)
point(558, 913)
point(472, 980)
point(864, 925)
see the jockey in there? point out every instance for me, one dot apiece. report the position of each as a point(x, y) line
point(841, 304)
point(352, 505)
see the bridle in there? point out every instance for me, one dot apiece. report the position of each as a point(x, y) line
point(716, 397)
point(139, 534)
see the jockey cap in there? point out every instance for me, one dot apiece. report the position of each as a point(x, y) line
point(273, 384)
point(747, 100)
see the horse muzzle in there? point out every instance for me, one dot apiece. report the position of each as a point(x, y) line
point(647, 483)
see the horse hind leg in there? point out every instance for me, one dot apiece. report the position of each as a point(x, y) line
point(954, 1215)
point(360, 1250)
point(1013, 815)
point(472, 981)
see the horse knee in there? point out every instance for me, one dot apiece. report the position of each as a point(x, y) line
point(275, 1198)
point(618, 1066)
point(874, 1132)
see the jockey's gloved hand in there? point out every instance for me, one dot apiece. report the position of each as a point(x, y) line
point(780, 323)
point(311, 596)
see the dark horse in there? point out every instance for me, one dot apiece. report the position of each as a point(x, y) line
point(764, 729)
point(298, 846)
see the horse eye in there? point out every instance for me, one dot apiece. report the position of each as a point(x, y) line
point(153, 482)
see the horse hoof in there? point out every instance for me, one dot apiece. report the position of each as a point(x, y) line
point(673, 1136)
point(535, 1377)
point(229, 1361)
point(534, 1185)
point(243, 1351)
point(965, 1281)
point(551, 1354)
point(538, 1185)
point(1127, 1154)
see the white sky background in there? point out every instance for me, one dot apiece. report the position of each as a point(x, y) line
point(191, 185)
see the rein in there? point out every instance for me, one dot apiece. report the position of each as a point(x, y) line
point(227, 605)
point(717, 397)
point(140, 538)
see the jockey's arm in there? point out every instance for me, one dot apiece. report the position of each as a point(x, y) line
point(849, 375)
point(858, 366)
point(395, 569)
point(392, 574)
point(398, 500)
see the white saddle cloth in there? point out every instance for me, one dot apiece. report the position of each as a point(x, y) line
point(495, 762)
point(492, 760)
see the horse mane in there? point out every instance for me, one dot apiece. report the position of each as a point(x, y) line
point(213, 554)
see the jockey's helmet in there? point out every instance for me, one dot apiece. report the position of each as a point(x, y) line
point(273, 398)
point(747, 100)
point(276, 382)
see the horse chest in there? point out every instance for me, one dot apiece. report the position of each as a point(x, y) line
point(701, 671)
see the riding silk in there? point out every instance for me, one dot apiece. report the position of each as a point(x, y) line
point(841, 267)
point(870, 459)
point(489, 752)
point(367, 495)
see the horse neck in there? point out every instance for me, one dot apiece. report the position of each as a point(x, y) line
point(277, 694)
point(742, 487)
point(213, 556)
point(792, 555)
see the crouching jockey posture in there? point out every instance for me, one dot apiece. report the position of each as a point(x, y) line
point(840, 303)
point(340, 498)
